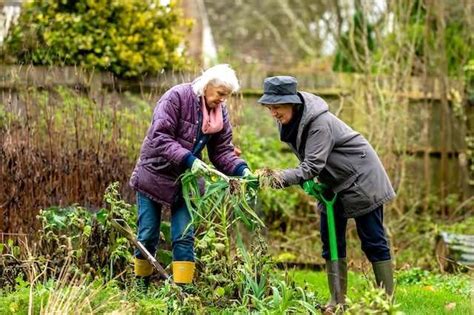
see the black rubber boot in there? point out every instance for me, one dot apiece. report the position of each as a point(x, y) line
point(330, 268)
point(383, 271)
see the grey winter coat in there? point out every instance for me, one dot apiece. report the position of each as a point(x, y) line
point(340, 157)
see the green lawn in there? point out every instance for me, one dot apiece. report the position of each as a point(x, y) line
point(416, 294)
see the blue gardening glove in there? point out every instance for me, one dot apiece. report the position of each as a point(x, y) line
point(252, 180)
point(199, 167)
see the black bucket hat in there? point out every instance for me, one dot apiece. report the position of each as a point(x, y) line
point(280, 90)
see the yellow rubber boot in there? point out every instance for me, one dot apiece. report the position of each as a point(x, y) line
point(142, 267)
point(183, 271)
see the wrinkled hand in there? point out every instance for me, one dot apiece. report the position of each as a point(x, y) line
point(252, 180)
point(199, 167)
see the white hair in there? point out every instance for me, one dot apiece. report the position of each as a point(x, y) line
point(219, 75)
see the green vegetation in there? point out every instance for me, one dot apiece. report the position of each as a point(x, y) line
point(236, 270)
point(417, 291)
point(87, 257)
point(62, 147)
point(128, 38)
point(355, 45)
point(373, 39)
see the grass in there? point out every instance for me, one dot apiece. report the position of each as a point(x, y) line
point(447, 295)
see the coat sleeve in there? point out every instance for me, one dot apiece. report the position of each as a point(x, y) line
point(221, 150)
point(319, 144)
point(162, 136)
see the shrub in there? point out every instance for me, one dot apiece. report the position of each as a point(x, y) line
point(128, 38)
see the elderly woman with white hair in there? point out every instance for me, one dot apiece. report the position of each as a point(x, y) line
point(187, 118)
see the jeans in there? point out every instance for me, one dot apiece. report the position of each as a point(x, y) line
point(149, 220)
point(369, 228)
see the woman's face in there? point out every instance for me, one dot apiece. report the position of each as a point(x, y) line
point(215, 95)
point(281, 112)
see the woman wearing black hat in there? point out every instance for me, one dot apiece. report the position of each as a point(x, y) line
point(343, 160)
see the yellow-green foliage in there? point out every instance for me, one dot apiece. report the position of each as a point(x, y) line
point(127, 37)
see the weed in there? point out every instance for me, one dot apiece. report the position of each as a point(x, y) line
point(373, 301)
point(456, 284)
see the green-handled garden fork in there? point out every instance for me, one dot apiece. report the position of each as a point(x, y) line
point(317, 190)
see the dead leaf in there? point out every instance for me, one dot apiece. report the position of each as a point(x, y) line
point(450, 306)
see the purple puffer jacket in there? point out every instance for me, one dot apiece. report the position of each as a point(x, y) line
point(169, 141)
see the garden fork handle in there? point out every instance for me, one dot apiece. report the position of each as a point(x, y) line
point(124, 228)
point(333, 252)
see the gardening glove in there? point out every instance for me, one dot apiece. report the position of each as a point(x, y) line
point(199, 167)
point(246, 172)
point(309, 188)
point(252, 180)
point(316, 189)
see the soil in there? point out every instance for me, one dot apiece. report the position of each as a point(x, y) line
point(234, 187)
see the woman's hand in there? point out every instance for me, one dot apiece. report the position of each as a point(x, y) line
point(252, 180)
point(199, 167)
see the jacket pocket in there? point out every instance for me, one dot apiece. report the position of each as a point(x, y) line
point(155, 165)
point(354, 198)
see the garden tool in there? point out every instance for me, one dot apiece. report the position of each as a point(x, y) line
point(317, 190)
point(125, 229)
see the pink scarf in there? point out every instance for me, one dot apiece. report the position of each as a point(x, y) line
point(212, 121)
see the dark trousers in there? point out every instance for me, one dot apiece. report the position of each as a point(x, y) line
point(369, 228)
